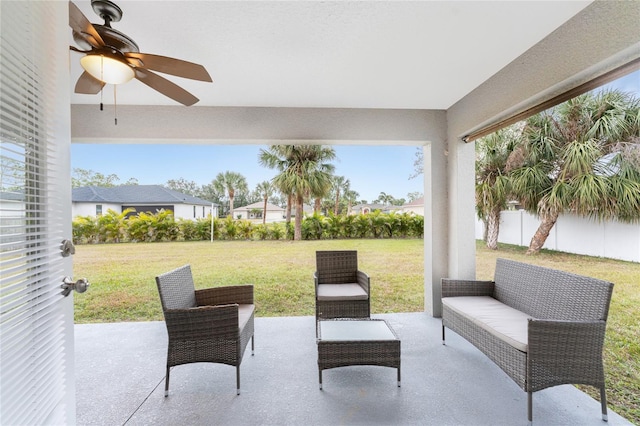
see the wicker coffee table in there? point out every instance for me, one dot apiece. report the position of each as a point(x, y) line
point(344, 342)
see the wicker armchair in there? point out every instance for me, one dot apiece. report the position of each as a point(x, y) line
point(342, 291)
point(209, 325)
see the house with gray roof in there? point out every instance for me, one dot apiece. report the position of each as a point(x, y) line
point(96, 200)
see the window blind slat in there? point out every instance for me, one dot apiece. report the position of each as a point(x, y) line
point(32, 322)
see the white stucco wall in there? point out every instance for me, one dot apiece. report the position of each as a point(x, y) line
point(181, 211)
point(185, 211)
point(272, 216)
point(419, 210)
point(89, 209)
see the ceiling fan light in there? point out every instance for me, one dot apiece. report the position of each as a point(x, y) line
point(107, 69)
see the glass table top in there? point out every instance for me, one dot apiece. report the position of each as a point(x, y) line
point(355, 330)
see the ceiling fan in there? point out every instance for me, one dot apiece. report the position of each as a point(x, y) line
point(112, 57)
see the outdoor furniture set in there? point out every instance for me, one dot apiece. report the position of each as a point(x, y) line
point(541, 326)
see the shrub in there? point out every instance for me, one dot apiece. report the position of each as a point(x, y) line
point(245, 229)
point(313, 227)
point(277, 231)
point(162, 226)
point(85, 230)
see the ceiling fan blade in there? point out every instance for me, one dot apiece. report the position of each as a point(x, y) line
point(171, 66)
point(88, 85)
point(81, 25)
point(165, 87)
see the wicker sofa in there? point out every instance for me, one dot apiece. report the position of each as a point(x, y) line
point(541, 326)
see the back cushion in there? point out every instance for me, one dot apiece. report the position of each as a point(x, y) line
point(337, 266)
point(176, 288)
point(547, 293)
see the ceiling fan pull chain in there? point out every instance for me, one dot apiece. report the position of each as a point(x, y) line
point(101, 72)
point(115, 105)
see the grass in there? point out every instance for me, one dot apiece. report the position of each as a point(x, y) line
point(123, 286)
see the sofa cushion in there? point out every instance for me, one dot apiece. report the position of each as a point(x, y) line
point(350, 291)
point(504, 322)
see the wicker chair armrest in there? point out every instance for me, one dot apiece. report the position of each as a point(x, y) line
point(566, 339)
point(453, 288)
point(563, 352)
point(202, 322)
point(363, 280)
point(240, 294)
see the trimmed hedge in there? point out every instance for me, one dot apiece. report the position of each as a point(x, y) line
point(115, 227)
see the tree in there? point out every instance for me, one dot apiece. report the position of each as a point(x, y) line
point(352, 197)
point(84, 177)
point(184, 186)
point(304, 170)
point(266, 190)
point(418, 163)
point(580, 157)
point(340, 183)
point(384, 198)
point(413, 196)
point(210, 193)
point(492, 182)
point(230, 183)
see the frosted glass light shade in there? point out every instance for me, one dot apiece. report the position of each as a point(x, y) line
point(107, 69)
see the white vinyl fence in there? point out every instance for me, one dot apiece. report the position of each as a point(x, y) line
point(572, 234)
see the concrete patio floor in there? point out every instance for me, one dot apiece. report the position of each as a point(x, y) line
point(120, 371)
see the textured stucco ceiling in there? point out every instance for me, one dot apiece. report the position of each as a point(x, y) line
point(346, 54)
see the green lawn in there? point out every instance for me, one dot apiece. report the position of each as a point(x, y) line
point(123, 286)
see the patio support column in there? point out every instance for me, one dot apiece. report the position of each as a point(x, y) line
point(462, 208)
point(436, 227)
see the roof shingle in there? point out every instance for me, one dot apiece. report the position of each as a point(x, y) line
point(130, 194)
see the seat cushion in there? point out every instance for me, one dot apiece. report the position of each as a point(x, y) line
point(350, 291)
point(504, 322)
point(244, 313)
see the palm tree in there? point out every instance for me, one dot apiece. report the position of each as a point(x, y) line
point(304, 170)
point(230, 182)
point(384, 198)
point(340, 183)
point(352, 197)
point(580, 157)
point(266, 190)
point(492, 182)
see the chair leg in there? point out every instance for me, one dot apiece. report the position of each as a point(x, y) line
point(603, 401)
point(166, 382)
point(530, 406)
point(443, 334)
point(238, 379)
point(252, 343)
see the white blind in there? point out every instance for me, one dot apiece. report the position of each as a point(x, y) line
point(32, 377)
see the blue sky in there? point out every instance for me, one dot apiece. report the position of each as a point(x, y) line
point(370, 169)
